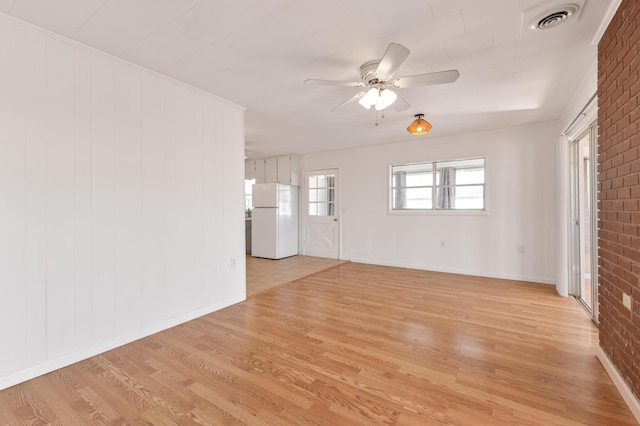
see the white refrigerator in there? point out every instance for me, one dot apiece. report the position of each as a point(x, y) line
point(274, 221)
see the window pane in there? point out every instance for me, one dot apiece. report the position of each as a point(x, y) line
point(331, 181)
point(331, 210)
point(469, 176)
point(419, 179)
point(470, 197)
point(321, 209)
point(412, 198)
point(322, 195)
point(313, 182)
point(461, 172)
point(331, 194)
point(418, 198)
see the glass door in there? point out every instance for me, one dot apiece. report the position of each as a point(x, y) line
point(584, 259)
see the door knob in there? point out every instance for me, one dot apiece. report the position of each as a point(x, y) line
point(335, 219)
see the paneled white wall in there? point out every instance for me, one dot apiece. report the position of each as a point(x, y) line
point(520, 194)
point(121, 202)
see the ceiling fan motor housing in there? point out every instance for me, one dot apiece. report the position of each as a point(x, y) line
point(368, 72)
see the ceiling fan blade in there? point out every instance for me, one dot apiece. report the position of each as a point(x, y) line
point(400, 104)
point(315, 82)
point(353, 99)
point(426, 79)
point(391, 61)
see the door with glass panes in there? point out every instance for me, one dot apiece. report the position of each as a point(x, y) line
point(321, 209)
point(583, 244)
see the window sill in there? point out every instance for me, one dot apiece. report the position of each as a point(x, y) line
point(437, 212)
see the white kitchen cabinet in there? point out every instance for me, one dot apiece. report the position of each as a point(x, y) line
point(260, 171)
point(284, 169)
point(271, 170)
point(288, 166)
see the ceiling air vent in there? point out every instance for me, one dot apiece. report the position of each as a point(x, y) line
point(553, 17)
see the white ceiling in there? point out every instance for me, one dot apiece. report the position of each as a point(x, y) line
point(257, 53)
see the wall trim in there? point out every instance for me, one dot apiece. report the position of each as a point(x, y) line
point(82, 354)
point(625, 391)
point(606, 20)
point(525, 278)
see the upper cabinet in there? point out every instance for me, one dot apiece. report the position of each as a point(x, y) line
point(284, 169)
point(288, 166)
point(271, 170)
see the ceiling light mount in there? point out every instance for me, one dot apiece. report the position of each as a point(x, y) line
point(419, 126)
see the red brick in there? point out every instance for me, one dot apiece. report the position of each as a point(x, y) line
point(619, 186)
point(630, 206)
point(624, 193)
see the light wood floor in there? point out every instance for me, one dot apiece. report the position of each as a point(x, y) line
point(267, 274)
point(353, 345)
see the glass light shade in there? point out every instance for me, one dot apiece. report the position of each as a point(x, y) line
point(420, 126)
point(370, 98)
point(387, 97)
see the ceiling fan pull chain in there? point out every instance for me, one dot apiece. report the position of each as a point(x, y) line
point(376, 118)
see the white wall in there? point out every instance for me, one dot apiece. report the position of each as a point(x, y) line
point(121, 202)
point(520, 193)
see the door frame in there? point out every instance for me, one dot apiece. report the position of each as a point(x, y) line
point(576, 229)
point(304, 205)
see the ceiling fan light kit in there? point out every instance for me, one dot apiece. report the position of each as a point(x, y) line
point(370, 98)
point(378, 79)
point(419, 126)
point(387, 97)
point(380, 98)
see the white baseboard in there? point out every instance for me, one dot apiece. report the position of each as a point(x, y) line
point(526, 278)
point(621, 385)
point(84, 353)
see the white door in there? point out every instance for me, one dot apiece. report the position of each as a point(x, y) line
point(321, 218)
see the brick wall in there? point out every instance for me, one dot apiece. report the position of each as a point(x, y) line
point(619, 185)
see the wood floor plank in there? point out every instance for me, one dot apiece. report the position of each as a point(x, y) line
point(352, 345)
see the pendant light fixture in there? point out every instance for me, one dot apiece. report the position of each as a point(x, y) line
point(420, 126)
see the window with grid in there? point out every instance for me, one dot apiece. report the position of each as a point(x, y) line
point(439, 185)
point(322, 195)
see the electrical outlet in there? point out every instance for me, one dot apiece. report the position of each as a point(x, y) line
point(626, 301)
point(233, 262)
point(520, 249)
point(442, 243)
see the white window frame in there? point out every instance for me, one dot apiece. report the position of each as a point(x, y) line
point(434, 188)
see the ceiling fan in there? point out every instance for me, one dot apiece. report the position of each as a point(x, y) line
point(378, 79)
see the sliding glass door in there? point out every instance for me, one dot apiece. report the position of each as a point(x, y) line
point(584, 258)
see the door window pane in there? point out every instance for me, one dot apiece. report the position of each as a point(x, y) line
point(321, 196)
